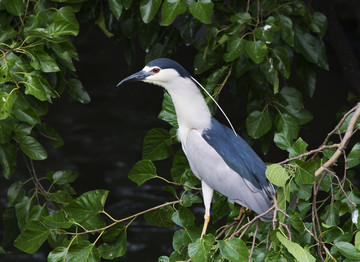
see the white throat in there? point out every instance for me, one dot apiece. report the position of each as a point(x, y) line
point(191, 109)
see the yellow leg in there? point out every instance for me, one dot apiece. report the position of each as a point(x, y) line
point(207, 195)
point(206, 222)
point(241, 213)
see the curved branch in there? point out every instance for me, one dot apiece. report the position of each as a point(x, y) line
point(343, 144)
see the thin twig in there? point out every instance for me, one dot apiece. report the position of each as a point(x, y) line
point(321, 148)
point(316, 222)
point(339, 125)
point(287, 229)
point(342, 189)
point(344, 142)
point(253, 242)
point(251, 221)
point(126, 218)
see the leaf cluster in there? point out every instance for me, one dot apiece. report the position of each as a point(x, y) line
point(36, 55)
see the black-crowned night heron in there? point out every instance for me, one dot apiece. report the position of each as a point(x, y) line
point(219, 157)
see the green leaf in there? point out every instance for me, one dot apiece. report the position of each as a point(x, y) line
point(161, 217)
point(59, 254)
point(116, 8)
point(321, 21)
point(331, 215)
point(204, 62)
point(156, 51)
point(292, 96)
point(190, 199)
point(148, 9)
point(94, 222)
point(311, 47)
point(287, 31)
point(163, 259)
point(28, 115)
point(15, 193)
point(305, 172)
point(65, 22)
point(220, 207)
point(60, 196)
point(265, 33)
point(234, 249)
point(295, 249)
point(282, 196)
point(296, 221)
point(168, 113)
point(305, 192)
point(298, 148)
point(307, 73)
point(39, 87)
point(87, 205)
point(170, 10)
point(83, 251)
point(8, 154)
point(357, 240)
point(6, 103)
point(277, 175)
point(16, 7)
point(70, 1)
point(10, 226)
point(284, 63)
point(57, 220)
point(295, 106)
point(183, 217)
point(77, 91)
point(62, 177)
point(345, 125)
point(180, 240)
point(65, 52)
point(235, 47)
point(31, 147)
point(41, 60)
point(283, 139)
point(142, 172)
point(256, 50)
point(54, 137)
point(353, 159)
point(199, 250)
point(6, 129)
point(258, 123)
point(269, 69)
point(157, 144)
point(33, 236)
point(241, 18)
point(100, 21)
point(348, 250)
point(202, 10)
point(181, 172)
point(115, 245)
point(7, 33)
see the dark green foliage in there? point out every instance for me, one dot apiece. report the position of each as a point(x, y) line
point(258, 49)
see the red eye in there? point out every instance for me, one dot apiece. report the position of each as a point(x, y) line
point(156, 70)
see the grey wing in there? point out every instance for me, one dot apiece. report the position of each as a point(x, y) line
point(207, 164)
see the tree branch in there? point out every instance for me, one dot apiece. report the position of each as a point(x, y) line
point(343, 144)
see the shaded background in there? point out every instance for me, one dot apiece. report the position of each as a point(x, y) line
point(103, 139)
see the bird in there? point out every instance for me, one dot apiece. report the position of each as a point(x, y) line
point(217, 155)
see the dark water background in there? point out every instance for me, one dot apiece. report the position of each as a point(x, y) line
point(103, 139)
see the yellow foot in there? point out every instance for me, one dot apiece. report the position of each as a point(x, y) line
point(243, 210)
point(206, 222)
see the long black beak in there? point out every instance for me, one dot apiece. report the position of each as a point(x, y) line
point(139, 76)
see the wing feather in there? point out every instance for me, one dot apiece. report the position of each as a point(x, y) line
point(238, 155)
point(210, 166)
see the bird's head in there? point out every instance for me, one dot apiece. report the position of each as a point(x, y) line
point(161, 71)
